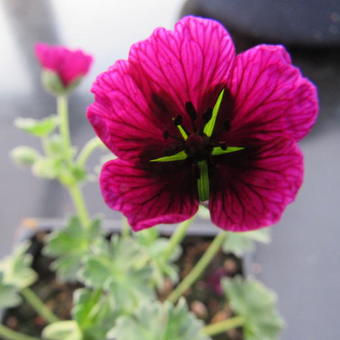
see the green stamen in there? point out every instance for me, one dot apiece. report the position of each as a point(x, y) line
point(203, 181)
point(209, 126)
point(217, 150)
point(179, 156)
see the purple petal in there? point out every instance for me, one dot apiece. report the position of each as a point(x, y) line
point(252, 192)
point(185, 64)
point(122, 118)
point(270, 96)
point(148, 197)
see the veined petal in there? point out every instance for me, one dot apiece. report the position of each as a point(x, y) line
point(251, 191)
point(186, 64)
point(147, 197)
point(122, 117)
point(270, 96)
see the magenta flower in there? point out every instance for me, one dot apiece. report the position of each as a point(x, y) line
point(68, 65)
point(192, 122)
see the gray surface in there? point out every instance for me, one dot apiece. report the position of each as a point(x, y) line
point(302, 263)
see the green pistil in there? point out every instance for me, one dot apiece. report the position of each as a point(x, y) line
point(209, 126)
point(182, 131)
point(217, 150)
point(179, 156)
point(203, 181)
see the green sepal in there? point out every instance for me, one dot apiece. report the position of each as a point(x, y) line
point(217, 150)
point(53, 84)
point(179, 156)
point(209, 126)
point(38, 128)
point(203, 185)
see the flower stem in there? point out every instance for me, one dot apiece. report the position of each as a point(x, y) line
point(62, 108)
point(74, 190)
point(198, 269)
point(177, 237)
point(80, 205)
point(87, 150)
point(38, 305)
point(223, 326)
point(9, 334)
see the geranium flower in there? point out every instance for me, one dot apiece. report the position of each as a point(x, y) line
point(191, 123)
point(63, 68)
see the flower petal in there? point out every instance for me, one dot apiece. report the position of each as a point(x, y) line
point(149, 196)
point(270, 96)
point(122, 117)
point(185, 64)
point(250, 191)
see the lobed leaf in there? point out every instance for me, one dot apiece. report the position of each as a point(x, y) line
point(120, 269)
point(16, 269)
point(39, 128)
point(71, 246)
point(254, 302)
point(239, 243)
point(154, 321)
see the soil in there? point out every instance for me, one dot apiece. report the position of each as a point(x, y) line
point(205, 298)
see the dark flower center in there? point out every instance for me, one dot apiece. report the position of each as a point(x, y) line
point(197, 146)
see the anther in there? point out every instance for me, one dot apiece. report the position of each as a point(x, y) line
point(178, 120)
point(166, 135)
point(207, 115)
point(189, 107)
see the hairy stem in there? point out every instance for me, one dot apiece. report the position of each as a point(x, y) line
point(62, 108)
point(74, 190)
point(9, 334)
point(38, 305)
point(177, 237)
point(80, 205)
point(223, 326)
point(88, 149)
point(198, 269)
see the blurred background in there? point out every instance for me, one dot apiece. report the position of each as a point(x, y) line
point(302, 263)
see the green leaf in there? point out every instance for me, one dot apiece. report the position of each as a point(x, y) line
point(39, 128)
point(93, 312)
point(119, 268)
point(155, 321)
point(254, 302)
point(71, 246)
point(62, 330)
point(24, 155)
point(154, 248)
point(239, 243)
point(16, 269)
point(9, 294)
